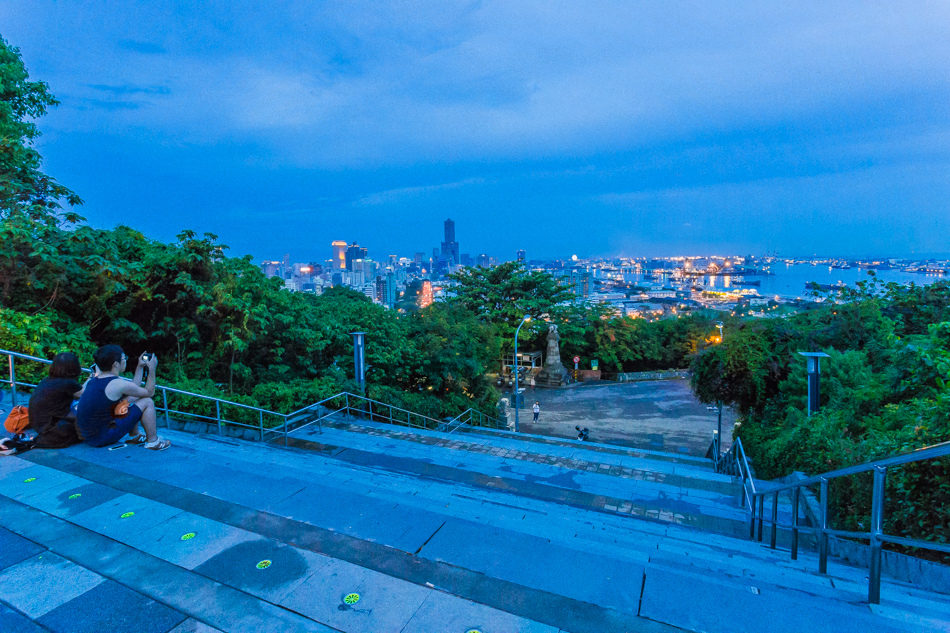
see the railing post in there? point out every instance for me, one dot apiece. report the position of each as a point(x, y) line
point(217, 408)
point(285, 427)
point(370, 410)
point(751, 516)
point(796, 493)
point(346, 399)
point(877, 528)
point(165, 403)
point(12, 380)
point(761, 514)
point(823, 534)
point(261, 420)
point(774, 533)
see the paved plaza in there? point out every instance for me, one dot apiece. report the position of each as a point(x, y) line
point(659, 415)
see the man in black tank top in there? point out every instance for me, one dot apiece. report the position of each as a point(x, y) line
point(101, 395)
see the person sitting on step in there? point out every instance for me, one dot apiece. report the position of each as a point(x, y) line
point(101, 421)
point(51, 410)
point(582, 434)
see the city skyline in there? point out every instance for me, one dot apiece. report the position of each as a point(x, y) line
point(608, 129)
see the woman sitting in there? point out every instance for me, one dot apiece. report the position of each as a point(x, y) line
point(52, 400)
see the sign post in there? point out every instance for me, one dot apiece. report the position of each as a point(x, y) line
point(577, 359)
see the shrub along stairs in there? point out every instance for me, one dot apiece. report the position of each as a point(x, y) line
point(369, 527)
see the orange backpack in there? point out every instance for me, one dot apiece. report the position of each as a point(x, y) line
point(18, 420)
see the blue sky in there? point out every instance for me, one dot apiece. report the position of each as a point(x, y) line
point(595, 128)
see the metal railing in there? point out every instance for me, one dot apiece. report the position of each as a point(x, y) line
point(473, 417)
point(278, 424)
point(737, 465)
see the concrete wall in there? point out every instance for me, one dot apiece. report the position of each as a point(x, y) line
point(647, 375)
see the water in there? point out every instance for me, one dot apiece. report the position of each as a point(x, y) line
point(789, 280)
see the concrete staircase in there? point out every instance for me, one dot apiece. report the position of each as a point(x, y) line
point(474, 531)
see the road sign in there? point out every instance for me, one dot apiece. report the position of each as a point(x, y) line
point(577, 359)
point(593, 364)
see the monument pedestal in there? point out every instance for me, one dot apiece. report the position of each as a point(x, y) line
point(552, 376)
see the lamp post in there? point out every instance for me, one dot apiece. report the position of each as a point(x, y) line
point(524, 320)
point(814, 373)
point(359, 364)
point(719, 423)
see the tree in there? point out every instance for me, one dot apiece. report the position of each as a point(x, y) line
point(504, 294)
point(29, 199)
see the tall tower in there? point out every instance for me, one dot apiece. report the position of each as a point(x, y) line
point(339, 254)
point(450, 248)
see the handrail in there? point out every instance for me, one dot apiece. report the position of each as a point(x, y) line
point(157, 386)
point(875, 535)
point(735, 460)
point(410, 416)
point(916, 455)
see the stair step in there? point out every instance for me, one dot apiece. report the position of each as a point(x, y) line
point(504, 549)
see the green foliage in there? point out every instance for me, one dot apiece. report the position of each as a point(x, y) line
point(502, 295)
point(506, 293)
point(885, 390)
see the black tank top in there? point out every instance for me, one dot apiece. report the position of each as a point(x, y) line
point(94, 412)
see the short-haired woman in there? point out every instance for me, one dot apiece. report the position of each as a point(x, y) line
point(52, 400)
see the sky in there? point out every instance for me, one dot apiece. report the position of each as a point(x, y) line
point(593, 128)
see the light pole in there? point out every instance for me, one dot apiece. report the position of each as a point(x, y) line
point(814, 374)
point(719, 424)
point(524, 320)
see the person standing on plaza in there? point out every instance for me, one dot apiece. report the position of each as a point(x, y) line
point(537, 410)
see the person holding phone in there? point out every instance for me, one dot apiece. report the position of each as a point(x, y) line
point(97, 419)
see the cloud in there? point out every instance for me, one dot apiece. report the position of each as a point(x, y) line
point(398, 195)
point(128, 89)
point(146, 48)
point(93, 104)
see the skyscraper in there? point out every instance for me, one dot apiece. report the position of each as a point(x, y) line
point(339, 254)
point(390, 297)
point(353, 252)
point(450, 248)
point(520, 256)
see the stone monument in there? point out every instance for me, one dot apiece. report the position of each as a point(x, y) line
point(553, 373)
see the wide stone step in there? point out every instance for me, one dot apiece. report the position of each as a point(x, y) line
point(265, 497)
point(299, 574)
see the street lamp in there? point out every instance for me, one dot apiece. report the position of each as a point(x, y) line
point(524, 320)
point(719, 424)
point(814, 374)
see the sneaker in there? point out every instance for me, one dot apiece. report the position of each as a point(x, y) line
point(159, 444)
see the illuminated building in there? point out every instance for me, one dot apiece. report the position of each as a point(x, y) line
point(339, 254)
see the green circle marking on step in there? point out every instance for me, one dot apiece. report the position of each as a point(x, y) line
point(26, 481)
point(188, 537)
point(473, 631)
point(264, 564)
point(75, 496)
point(126, 515)
point(351, 598)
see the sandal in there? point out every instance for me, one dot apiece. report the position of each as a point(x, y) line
point(136, 440)
point(159, 444)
